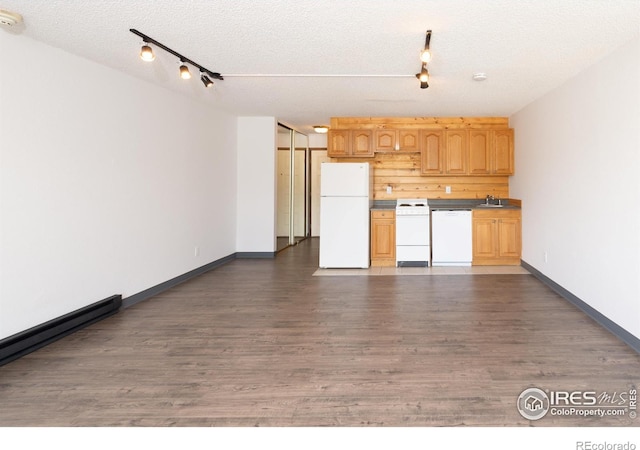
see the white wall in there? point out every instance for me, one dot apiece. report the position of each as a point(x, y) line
point(317, 140)
point(578, 175)
point(257, 140)
point(317, 158)
point(107, 184)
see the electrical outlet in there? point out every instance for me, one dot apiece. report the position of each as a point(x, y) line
point(389, 189)
point(447, 189)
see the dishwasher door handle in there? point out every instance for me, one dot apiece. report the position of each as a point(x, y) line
point(452, 212)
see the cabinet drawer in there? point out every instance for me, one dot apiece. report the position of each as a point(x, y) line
point(383, 214)
point(493, 213)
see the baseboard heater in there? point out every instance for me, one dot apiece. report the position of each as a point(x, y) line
point(27, 341)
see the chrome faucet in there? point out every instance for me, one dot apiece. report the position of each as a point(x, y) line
point(488, 199)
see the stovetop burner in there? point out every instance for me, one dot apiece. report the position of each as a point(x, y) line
point(412, 203)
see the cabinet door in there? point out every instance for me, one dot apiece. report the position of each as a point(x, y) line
point(385, 140)
point(484, 238)
point(388, 141)
point(456, 152)
point(361, 144)
point(408, 141)
point(502, 152)
point(510, 240)
point(383, 239)
point(338, 144)
point(431, 152)
point(479, 160)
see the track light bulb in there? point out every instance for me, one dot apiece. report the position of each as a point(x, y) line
point(184, 72)
point(146, 53)
point(425, 55)
point(423, 76)
point(206, 80)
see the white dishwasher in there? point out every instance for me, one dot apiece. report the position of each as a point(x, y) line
point(451, 237)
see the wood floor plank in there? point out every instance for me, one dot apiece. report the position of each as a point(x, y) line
point(265, 343)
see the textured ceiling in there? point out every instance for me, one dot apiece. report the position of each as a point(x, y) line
point(526, 47)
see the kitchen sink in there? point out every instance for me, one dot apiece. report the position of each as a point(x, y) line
point(489, 205)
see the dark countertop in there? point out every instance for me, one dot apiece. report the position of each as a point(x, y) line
point(467, 204)
point(384, 204)
point(438, 203)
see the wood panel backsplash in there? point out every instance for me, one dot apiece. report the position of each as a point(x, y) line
point(401, 171)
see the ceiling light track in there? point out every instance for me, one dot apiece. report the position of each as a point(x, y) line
point(314, 75)
point(147, 54)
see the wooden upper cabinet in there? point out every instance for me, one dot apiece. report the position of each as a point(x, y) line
point(472, 152)
point(502, 153)
point(431, 152)
point(456, 152)
point(479, 152)
point(349, 143)
point(409, 140)
point(361, 144)
point(445, 150)
point(397, 140)
point(385, 140)
point(339, 143)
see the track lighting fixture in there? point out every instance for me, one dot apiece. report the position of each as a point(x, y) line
point(425, 57)
point(206, 80)
point(423, 76)
point(184, 72)
point(146, 54)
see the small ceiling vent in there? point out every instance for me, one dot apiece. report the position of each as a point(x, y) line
point(9, 19)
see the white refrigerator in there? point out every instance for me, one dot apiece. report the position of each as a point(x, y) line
point(346, 194)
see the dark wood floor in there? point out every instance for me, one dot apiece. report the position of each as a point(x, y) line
point(263, 342)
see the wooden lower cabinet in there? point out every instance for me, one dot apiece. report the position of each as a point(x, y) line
point(497, 237)
point(383, 238)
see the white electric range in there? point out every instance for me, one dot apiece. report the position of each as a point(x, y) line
point(412, 232)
